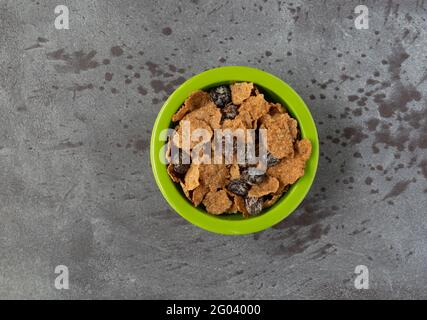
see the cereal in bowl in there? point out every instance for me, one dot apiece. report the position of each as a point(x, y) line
point(234, 152)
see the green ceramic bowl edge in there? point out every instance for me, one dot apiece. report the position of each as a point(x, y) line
point(276, 90)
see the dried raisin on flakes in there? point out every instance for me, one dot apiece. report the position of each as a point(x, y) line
point(254, 205)
point(239, 187)
point(221, 96)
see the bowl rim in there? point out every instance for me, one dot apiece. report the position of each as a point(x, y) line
point(228, 224)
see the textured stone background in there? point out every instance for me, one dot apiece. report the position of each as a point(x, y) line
point(77, 108)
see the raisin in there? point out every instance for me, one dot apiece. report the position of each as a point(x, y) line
point(253, 175)
point(270, 160)
point(229, 112)
point(239, 187)
point(181, 168)
point(221, 96)
point(177, 160)
point(254, 205)
point(243, 166)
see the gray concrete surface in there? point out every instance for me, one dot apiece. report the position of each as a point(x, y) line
point(76, 186)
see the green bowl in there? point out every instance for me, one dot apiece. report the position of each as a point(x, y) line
point(275, 90)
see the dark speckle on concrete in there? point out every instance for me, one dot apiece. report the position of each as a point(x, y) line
point(354, 134)
point(167, 31)
point(142, 90)
point(372, 124)
point(397, 189)
point(352, 98)
point(140, 145)
point(108, 76)
point(75, 62)
point(116, 51)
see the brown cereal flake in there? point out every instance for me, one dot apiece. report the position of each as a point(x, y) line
point(269, 185)
point(214, 176)
point(209, 113)
point(272, 200)
point(304, 149)
point(240, 204)
point(233, 208)
point(276, 108)
point(217, 202)
point(242, 121)
point(293, 127)
point(192, 176)
point(282, 188)
point(196, 100)
point(174, 176)
point(199, 194)
point(180, 135)
point(185, 190)
point(233, 124)
point(288, 171)
point(256, 106)
point(241, 91)
point(279, 137)
point(234, 171)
